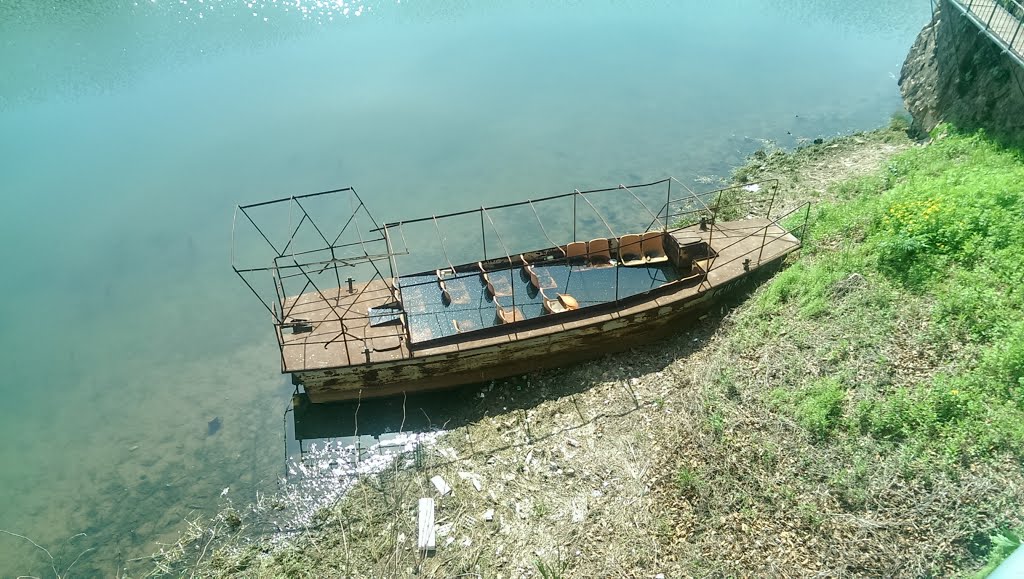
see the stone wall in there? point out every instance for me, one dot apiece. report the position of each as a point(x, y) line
point(955, 73)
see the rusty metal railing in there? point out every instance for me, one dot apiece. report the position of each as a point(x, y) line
point(1001, 20)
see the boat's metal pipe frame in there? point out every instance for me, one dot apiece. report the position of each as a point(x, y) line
point(644, 205)
point(805, 206)
point(527, 202)
point(668, 200)
point(575, 192)
point(768, 216)
point(280, 272)
point(512, 277)
point(278, 310)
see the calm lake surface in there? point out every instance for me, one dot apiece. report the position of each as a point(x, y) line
point(129, 130)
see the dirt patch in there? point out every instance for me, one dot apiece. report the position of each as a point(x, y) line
point(808, 173)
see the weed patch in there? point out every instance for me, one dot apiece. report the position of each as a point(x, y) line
point(880, 380)
point(1003, 544)
point(943, 225)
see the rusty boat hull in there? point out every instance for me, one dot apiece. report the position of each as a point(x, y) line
point(514, 311)
point(588, 339)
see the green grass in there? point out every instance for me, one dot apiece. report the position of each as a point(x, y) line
point(941, 228)
point(550, 571)
point(1004, 543)
point(687, 482)
point(818, 407)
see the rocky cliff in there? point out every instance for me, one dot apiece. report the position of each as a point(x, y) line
point(956, 74)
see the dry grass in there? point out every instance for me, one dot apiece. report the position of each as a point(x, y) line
point(567, 476)
point(670, 461)
point(770, 500)
point(808, 173)
point(681, 459)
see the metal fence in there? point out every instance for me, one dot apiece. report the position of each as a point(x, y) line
point(1000, 20)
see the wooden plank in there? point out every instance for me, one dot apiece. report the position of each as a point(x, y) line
point(427, 540)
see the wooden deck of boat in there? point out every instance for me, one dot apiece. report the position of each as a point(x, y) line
point(332, 345)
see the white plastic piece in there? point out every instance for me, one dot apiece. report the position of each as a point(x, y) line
point(441, 486)
point(427, 540)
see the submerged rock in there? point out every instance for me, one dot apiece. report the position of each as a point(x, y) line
point(213, 426)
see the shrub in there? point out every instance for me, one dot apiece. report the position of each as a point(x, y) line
point(1003, 544)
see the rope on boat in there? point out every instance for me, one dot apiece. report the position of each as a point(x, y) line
point(646, 208)
point(444, 248)
point(598, 213)
point(541, 223)
point(512, 278)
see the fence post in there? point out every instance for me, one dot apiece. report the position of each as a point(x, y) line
point(1015, 34)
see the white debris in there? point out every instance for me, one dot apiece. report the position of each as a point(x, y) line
point(395, 441)
point(489, 515)
point(579, 511)
point(427, 539)
point(441, 486)
point(443, 530)
point(328, 470)
point(474, 479)
point(520, 510)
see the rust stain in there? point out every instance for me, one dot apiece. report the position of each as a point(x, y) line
point(537, 349)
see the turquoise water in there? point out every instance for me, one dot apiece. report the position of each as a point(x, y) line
point(128, 131)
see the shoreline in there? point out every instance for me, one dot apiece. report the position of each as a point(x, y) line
point(555, 470)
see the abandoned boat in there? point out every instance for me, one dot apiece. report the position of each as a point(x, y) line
point(495, 302)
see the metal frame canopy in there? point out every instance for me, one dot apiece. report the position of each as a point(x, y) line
point(316, 246)
point(310, 239)
point(501, 226)
point(506, 231)
point(305, 242)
